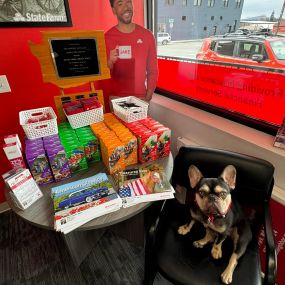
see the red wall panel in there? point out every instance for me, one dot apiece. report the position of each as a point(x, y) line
point(257, 93)
point(23, 69)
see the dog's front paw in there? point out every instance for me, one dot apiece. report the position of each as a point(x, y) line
point(227, 276)
point(183, 230)
point(216, 251)
point(199, 243)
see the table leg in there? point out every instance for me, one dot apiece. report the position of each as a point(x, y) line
point(131, 229)
point(80, 243)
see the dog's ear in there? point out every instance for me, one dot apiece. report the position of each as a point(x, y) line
point(195, 175)
point(229, 176)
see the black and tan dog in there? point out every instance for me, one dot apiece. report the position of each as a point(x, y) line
point(221, 216)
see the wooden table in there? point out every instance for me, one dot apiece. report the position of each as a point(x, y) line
point(127, 221)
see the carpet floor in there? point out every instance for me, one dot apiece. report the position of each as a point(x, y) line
point(29, 255)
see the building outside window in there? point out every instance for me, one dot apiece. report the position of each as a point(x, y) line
point(226, 3)
point(183, 18)
point(184, 3)
point(235, 25)
point(238, 3)
point(212, 18)
point(197, 2)
point(169, 2)
point(161, 27)
point(211, 3)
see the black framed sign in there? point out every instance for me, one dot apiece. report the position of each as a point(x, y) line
point(36, 13)
point(76, 57)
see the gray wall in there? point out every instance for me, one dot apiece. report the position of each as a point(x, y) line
point(198, 17)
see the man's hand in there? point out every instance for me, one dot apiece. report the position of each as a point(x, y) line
point(148, 95)
point(114, 55)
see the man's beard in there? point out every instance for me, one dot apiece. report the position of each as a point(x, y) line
point(126, 21)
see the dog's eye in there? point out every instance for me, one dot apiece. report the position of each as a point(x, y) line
point(202, 194)
point(223, 195)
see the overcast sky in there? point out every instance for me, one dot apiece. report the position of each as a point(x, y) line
point(253, 8)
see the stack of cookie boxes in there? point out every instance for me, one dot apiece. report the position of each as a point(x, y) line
point(118, 144)
point(80, 144)
point(47, 159)
point(153, 139)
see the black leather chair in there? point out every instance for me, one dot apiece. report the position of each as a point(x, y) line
point(174, 255)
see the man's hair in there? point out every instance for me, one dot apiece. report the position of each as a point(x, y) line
point(112, 3)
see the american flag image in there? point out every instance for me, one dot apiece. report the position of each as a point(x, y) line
point(133, 188)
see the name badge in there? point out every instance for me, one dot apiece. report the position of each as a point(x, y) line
point(125, 52)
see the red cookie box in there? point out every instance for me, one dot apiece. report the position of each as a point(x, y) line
point(147, 146)
point(90, 104)
point(147, 141)
point(76, 107)
point(72, 108)
point(163, 136)
point(163, 140)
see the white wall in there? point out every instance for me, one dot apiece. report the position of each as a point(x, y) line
point(206, 129)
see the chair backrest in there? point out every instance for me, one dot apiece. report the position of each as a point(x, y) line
point(254, 181)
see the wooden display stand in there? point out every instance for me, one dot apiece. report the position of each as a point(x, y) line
point(64, 98)
point(71, 59)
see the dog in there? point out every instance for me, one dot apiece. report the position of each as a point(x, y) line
point(220, 215)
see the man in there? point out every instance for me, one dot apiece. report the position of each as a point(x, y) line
point(132, 56)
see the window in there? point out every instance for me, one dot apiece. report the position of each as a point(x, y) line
point(211, 3)
point(238, 3)
point(161, 27)
point(225, 47)
point(248, 49)
point(235, 25)
point(226, 3)
point(240, 79)
point(278, 48)
point(184, 3)
point(197, 2)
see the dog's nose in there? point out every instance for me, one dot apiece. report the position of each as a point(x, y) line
point(212, 197)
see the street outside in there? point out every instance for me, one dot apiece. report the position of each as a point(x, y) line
point(183, 49)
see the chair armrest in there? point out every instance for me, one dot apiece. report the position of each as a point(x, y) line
point(151, 231)
point(150, 266)
point(271, 260)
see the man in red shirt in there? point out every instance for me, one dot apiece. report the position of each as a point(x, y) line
point(132, 56)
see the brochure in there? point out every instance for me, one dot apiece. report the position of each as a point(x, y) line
point(24, 191)
point(78, 202)
point(143, 184)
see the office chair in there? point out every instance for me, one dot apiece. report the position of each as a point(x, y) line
point(175, 257)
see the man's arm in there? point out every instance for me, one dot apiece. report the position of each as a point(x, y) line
point(149, 93)
point(152, 69)
point(113, 57)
